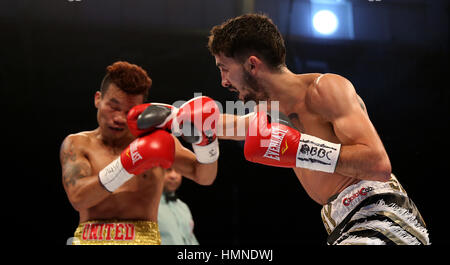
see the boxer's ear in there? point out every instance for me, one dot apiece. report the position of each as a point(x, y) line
point(97, 98)
point(254, 64)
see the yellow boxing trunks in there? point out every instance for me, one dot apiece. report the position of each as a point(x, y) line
point(374, 213)
point(117, 232)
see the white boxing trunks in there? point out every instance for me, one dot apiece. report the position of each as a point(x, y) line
point(374, 213)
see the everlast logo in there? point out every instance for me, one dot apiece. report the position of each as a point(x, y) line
point(276, 138)
point(361, 192)
point(135, 156)
point(112, 231)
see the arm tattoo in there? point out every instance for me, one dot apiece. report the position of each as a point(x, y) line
point(361, 104)
point(72, 170)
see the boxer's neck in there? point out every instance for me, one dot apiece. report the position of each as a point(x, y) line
point(287, 88)
point(115, 144)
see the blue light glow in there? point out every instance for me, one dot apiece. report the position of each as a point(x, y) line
point(325, 22)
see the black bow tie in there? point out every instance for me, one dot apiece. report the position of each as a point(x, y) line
point(171, 197)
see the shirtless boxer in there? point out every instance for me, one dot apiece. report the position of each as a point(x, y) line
point(322, 131)
point(115, 180)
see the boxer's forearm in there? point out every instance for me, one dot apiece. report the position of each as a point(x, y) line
point(363, 162)
point(187, 165)
point(87, 193)
point(232, 127)
point(205, 174)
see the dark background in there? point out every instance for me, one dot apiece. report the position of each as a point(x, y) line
point(53, 58)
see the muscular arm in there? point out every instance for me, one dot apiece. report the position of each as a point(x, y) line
point(362, 153)
point(82, 187)
point(187, 165)
point(232, 127)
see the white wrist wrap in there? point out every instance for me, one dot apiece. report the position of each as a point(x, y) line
point(114, 175)
point(208, 153)
point(316, 154)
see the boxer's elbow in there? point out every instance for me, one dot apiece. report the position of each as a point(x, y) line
point(80, 200)
point(78, 207)
point(381, 168)
point(77, 202)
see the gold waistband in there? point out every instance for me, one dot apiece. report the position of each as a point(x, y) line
point(117, 232)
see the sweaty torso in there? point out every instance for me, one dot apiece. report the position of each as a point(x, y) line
point(138, 198)
point(320, 186)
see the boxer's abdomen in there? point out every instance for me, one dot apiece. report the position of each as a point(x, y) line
point(321, 186)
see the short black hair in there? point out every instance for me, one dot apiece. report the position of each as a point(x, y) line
point(250, 33)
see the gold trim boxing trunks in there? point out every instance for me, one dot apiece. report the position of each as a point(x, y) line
point(117, 232)
point(374, 213)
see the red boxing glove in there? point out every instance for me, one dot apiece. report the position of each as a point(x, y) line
point(279, 144)
point(196, 121)
point(145, 118)
point(156, 149)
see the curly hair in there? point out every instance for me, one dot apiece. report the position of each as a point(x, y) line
point(241, 36)
point(130, 78)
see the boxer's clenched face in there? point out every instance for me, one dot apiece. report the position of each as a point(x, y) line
point(112, 109)
point(172, 180)
point(237, 79)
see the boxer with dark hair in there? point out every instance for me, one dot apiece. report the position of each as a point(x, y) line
point(322, 131)
point(115, 180)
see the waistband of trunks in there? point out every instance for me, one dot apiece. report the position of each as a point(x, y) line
point(339, 206)
point(117, 232)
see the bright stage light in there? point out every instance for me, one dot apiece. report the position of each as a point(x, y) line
point(325, 22)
